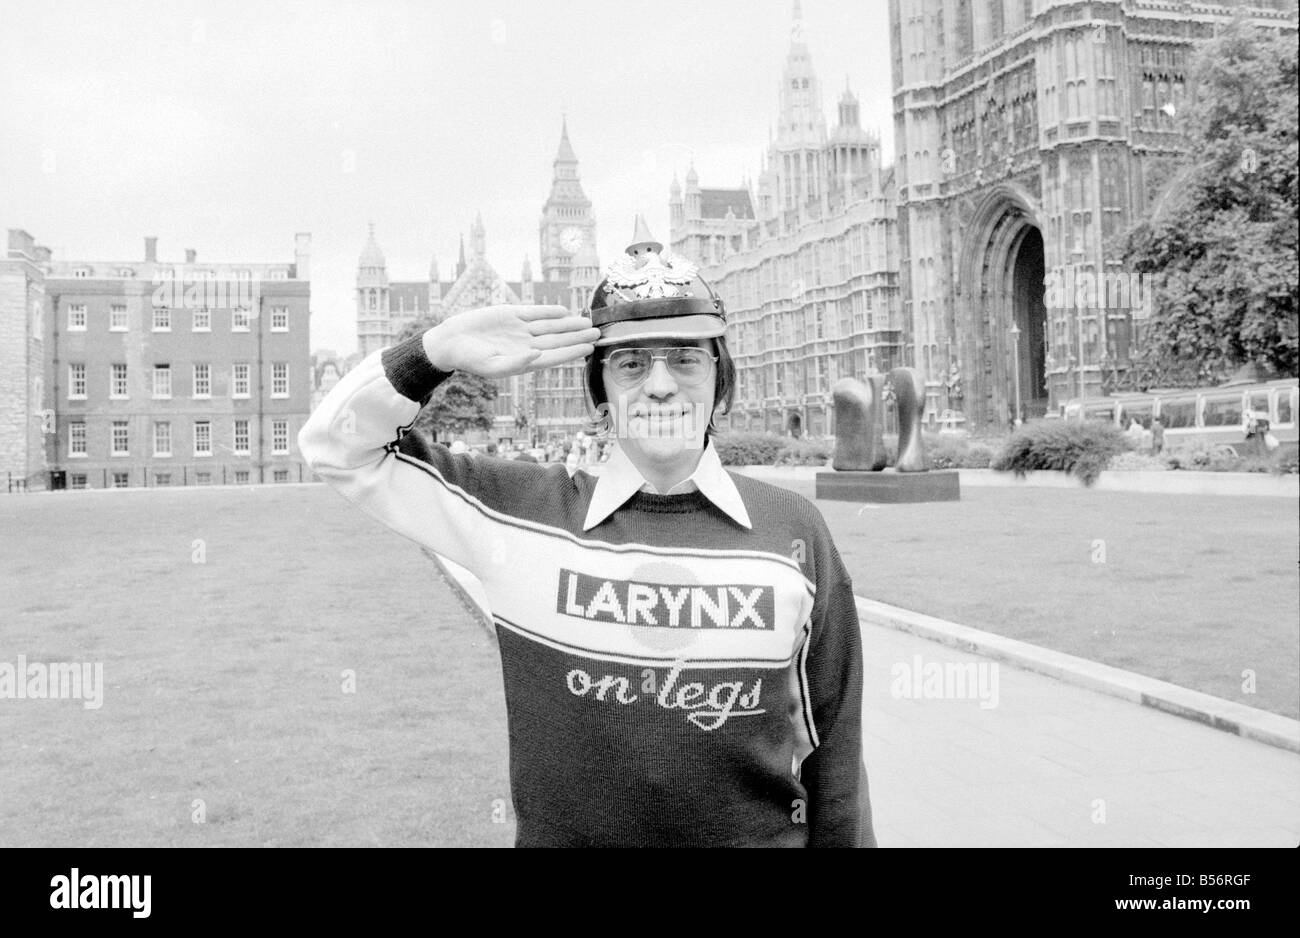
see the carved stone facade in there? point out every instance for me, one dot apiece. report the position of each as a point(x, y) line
point(805, 261)
point(1030, 134)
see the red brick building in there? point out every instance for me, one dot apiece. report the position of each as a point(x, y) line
point(158, 374)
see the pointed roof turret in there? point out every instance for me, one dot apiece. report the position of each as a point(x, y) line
point(526, 275)
point(849, 128)
point(460, 264)
point(675, 190)
point(565, 154)
point(433, 269)
point(371, 255)
point(848, 97)
point(692, 178)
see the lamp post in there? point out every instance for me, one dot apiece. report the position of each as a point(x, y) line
point(1015, 365)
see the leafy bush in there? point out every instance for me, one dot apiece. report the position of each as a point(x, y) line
point(1219, 459)
point(978, 456)
point(805, 452)
point(1140, 462)
point(748, 449)
point(1187, 459)
point(942, 451)
point(945, 452)
point(1287, 461)
point(1082, 449)
point(1203, 459)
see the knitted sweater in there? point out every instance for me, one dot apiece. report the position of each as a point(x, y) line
point(671, 677)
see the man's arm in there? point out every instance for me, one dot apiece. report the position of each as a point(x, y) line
point(839, 804)
point(353, 441)
point(358, 439)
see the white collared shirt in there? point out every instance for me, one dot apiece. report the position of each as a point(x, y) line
point(620, 480)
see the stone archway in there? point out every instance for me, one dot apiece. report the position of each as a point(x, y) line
point(1000, 282)
point(794, 425)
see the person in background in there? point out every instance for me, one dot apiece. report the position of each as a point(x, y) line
point(1157, 436)
point(1254, 438)
point(1133, 431)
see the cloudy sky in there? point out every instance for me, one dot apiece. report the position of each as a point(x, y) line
point(228, 127)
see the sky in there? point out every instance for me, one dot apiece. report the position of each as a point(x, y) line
point(228, 127)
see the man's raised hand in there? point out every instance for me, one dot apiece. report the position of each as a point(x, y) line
point(499, 341)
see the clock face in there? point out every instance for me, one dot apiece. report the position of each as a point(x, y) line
point(571, 239)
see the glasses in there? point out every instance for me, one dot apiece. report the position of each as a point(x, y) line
point(630, 366)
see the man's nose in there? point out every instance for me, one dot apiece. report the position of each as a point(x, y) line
point(661, 382)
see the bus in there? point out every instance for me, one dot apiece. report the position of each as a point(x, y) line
point(1200, 417)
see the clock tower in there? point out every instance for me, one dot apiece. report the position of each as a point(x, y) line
point(567, 226)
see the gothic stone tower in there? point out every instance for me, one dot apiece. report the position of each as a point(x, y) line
point(567, 224)
point(1029, 135)
point(372, 298)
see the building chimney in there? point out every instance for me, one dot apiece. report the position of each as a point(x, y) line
point(151, 250)
point(190, 255)
point(302, 255)
point(21, 244)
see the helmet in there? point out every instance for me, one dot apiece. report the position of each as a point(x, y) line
point(650, 293)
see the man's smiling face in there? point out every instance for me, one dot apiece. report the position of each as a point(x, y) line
point(654, 412)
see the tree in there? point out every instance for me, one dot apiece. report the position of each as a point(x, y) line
point(460, 404)
point(1222, 248)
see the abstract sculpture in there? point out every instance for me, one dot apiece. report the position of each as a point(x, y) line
point(860, 422)
point(860, 444)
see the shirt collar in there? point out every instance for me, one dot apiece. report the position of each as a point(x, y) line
point(619, 480)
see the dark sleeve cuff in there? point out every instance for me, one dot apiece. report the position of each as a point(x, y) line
point(409, 370)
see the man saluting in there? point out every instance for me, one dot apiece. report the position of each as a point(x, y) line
point(679, 645)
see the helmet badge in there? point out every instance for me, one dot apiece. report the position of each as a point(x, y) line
point(646, 271)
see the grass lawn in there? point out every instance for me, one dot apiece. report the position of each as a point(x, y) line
point(1189, 589)
point(224, 679)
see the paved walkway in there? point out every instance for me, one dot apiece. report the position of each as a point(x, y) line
point(1057, 765)
point(1053, 764)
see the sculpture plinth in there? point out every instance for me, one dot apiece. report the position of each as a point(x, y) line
point(860, 456)
point(889, 487)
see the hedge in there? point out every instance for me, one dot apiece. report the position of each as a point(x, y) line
point(1082, 449)
point(748, 449)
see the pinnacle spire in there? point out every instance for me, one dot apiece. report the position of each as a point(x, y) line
point(565, 154)
point(642, 238)
point(371, 255)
